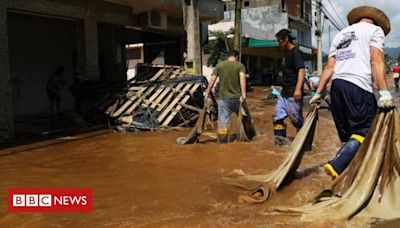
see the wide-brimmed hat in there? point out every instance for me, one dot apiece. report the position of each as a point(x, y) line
point(379, 17)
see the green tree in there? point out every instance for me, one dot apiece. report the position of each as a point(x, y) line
point(219, 47)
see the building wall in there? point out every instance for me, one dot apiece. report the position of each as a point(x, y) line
point(51, 43)
point(294, 8)
point(88, 11)
point(251, 4)
point(268, 19)
point(6, 112)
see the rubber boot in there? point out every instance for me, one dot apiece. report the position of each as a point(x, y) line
point(344, 156)
point(280, 133)
point(222, 136)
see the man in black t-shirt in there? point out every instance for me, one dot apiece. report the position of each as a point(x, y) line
point(290, 103)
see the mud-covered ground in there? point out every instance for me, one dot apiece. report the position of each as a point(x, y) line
point(147, 180)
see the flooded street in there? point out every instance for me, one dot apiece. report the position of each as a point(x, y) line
point(147, 180)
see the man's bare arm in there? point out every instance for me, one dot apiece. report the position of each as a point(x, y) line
point(378, 68)
point(299, 85)
point(243, 84)
point(210, 84)
point(326, 74)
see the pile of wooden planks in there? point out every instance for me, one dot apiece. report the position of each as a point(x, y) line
point(164, 93)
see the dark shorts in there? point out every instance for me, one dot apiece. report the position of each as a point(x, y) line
point(353, 109)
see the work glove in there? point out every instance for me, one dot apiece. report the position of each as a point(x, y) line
point(316, 99)
point(385, 99)
point(275, 92)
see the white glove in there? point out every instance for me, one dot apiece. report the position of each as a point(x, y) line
point(385, 99)
point(316, 99)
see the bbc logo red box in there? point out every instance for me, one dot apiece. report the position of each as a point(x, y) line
point(50, 200)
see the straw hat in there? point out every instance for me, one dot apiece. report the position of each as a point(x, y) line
point(377, 15)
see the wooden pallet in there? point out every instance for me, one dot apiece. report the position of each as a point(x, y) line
point(175, 105)
point(168, 100)
point(136, 95)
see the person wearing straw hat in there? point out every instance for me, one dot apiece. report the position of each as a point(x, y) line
point(355, 61)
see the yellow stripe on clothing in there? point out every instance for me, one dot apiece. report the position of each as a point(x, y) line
point(223, 131)
point(359, 138)
point(279, 127)
point(331, 170)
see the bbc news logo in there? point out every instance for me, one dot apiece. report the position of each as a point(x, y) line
point(50, 200)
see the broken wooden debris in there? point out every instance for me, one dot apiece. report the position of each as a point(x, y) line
point(162, 96)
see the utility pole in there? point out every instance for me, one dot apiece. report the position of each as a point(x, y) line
point(191, 23)
point(329, 33)
point(238, 26)
point(318, 34)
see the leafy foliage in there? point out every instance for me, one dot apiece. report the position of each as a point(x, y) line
point(219, 47)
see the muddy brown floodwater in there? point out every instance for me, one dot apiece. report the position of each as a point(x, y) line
point(147, 180)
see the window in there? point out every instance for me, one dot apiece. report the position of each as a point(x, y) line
point(134, 53)
point(247, 3)
point(302, 8)
point(301, 37)
point(283, 5)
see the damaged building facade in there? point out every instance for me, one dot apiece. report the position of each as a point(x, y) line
point(261, 20)
point(92, 39)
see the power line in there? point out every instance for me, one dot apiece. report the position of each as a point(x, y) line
point(329, 15)
point(338, 16)
point(331, 19)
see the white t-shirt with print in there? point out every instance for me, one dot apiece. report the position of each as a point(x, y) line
point(351, 48)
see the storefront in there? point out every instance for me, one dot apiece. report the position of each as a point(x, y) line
point(264, 59)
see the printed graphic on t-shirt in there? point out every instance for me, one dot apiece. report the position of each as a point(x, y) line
point(348, 37)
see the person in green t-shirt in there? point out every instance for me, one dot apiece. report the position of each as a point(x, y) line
point(232, 79)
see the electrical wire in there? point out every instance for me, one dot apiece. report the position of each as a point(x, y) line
point(336, 13)
point(331, 19)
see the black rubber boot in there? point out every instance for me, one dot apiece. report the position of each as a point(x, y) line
point(222, 138)
point(280, 134)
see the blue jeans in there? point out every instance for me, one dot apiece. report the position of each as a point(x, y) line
point(288, 107)
point(226, 107)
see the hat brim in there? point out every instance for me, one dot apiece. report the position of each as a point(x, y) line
point(377, 15)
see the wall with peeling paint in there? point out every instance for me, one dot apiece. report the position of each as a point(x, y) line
point(268, 19)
